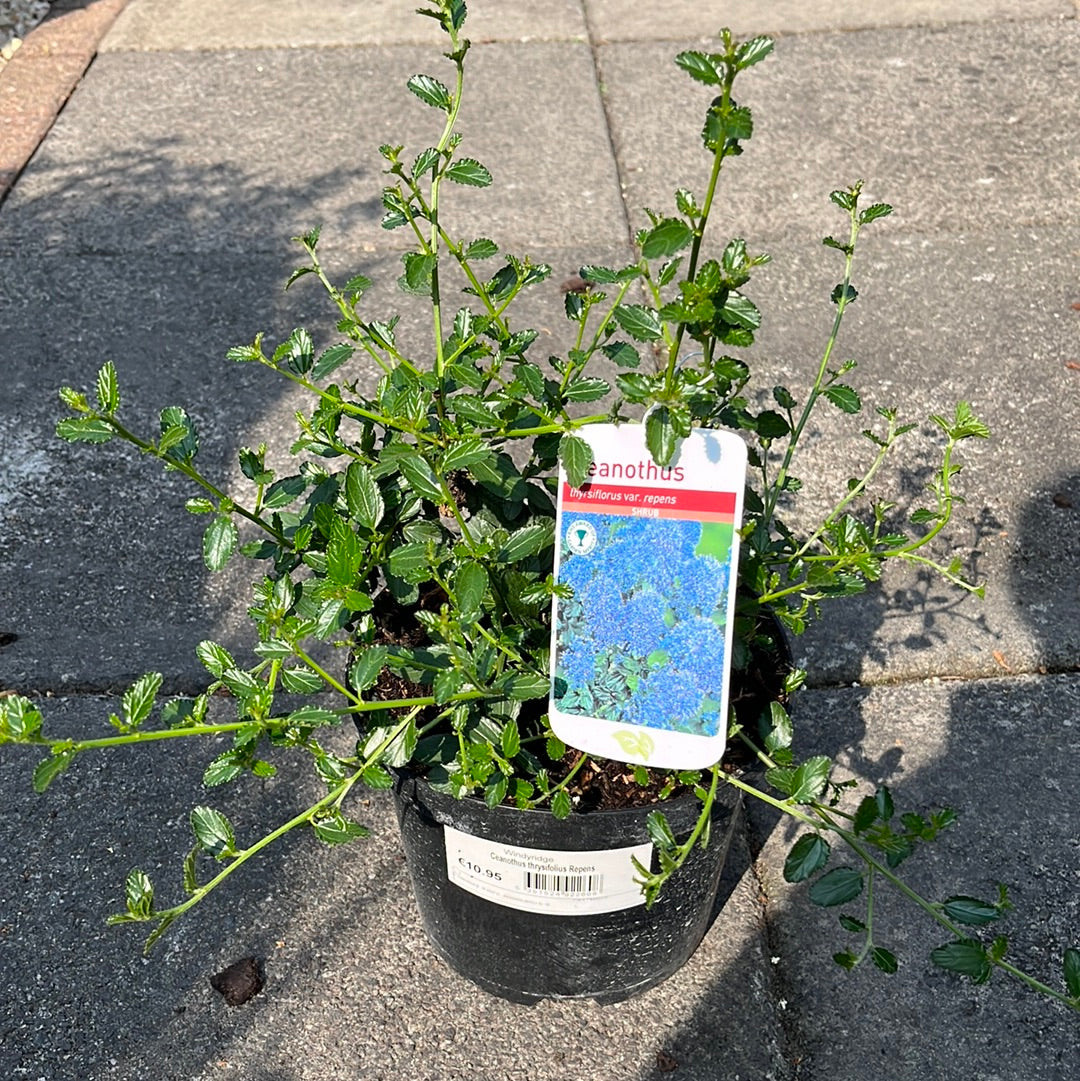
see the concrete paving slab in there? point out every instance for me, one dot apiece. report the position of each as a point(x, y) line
point(614, 20)
point(92, 536)
point(983, 317)
point(352, 988)
point(171, 25)
point(155, 149)
point(1003, 754)
point(958, 128)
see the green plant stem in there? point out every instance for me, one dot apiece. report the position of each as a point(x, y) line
point(190, 472)
point(772, 493)
point(563, 784)
point(853, 493)
point(333, 797)
point(58, 746)
point(436, 183)
point(406, 703)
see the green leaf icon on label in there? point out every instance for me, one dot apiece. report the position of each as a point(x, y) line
point(638, 744)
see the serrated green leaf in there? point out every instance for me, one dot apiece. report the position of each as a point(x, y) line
point(302, 681)
point(510, 739)
point(660, 435)
point(836, 887)
point(334, 828)
point(845, 200)
point(470, 585)
point(843, 397)
point(810, 779)
point(331, 359)
point(526, 542)
point(666, 238)
point(965, 956)
point(139, 894)
point(473, 409)
point(419, 268)
point(970, 911)
point(884, 960)
point(284, 491)
point(431, 92)
point(469, 171)
point(213, 832)
point(641, 323)
point(84, 430)
point(219, 541)
point(366, 668)
point(849, 923)
point(781, 731)
point(108, 392)
point(274, 649)
point(586, 389)
point(808, 855)
point(138, 700)
point(425, 161)
point(214, 658)
point(173, 417)
point(699, 66)
point(242, 684)
point(742, 311)
point(1071, 971)
point(846, 293)
point(344, 555)
point(465, 452)
point(846, 959)
point(599, 275)
point(312, 717)
point(561, 805)
point(298, 351)
point(48, 769)
point(421, 477)
point(659, 830)
point(74, 399)
point(362, 495)
point(523, 686)
point(752, 52)
point(576, 456)
point(376, 777)
point(873, 212)
point(410, 562)
point(866, 814)
point(222, 769)
point(446, 684)
point(481, 248)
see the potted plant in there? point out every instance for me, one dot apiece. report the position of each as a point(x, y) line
point(417, 535)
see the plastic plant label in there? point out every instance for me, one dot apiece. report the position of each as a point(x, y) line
point(545, 880)
point(641, 654)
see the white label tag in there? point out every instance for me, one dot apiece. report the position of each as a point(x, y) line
point(641, 650)
point(545, 880)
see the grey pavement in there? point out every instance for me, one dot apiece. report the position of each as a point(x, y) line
point(152, 228)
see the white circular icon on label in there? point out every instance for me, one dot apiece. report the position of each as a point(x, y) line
point(580, 538)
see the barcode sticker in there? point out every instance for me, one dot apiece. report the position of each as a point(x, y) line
point(545, 880)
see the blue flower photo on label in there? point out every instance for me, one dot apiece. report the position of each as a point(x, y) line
point(642, 639)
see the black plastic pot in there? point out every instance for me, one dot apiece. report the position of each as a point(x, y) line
point(526, 956)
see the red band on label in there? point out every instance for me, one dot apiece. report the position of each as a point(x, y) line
point(654, 502)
